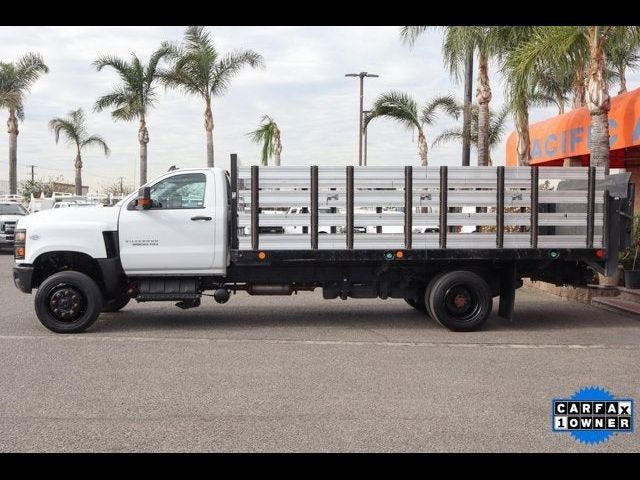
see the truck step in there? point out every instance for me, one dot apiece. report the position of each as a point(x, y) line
point(617, 304)
point(167, 297)
point(177, 289)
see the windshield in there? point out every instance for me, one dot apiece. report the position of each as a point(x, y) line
point(12, 209)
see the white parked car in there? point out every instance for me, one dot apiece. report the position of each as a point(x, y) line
point(10, 213)
point(304, 228)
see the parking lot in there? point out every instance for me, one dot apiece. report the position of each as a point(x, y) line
point(301, 374)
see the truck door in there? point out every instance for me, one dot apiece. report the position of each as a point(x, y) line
point(175, 235)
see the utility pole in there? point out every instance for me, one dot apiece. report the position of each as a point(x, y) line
point(121, 191)
point(365, 113)
point(32, 173)
point(362, 76)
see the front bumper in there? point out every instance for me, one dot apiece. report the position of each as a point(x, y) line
point(22, 275)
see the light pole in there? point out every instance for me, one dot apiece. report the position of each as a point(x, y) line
point(362, 76)
point(364, 160)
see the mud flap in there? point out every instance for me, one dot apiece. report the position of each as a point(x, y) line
point(508, 284)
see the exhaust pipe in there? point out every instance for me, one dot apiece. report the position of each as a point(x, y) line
point(221, 295)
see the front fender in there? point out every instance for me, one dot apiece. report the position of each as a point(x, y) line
point(89, 242)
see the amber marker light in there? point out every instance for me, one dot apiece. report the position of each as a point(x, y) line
point(19, 253)
point(262, 256)
point(399, 254)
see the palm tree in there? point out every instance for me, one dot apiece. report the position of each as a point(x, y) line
point(268, 134)
point(577, 47)
point(402, 108)
point(74, 130)
point(16, 79)
point(458, 41)
point(497, 124)
point(133, 98)
point(622, 56)
point(198, 69)
point(409, 34)
point(555, 84)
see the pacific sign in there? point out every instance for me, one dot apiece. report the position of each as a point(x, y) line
point(569, 135)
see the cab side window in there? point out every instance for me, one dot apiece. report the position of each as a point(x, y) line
point(179, 192)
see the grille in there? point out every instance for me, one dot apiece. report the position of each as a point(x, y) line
point(8, 227)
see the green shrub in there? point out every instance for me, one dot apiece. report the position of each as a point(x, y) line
point(631, 254)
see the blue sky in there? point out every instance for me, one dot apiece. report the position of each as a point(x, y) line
point(303, 87)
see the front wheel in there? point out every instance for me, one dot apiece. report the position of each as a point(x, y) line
point(68, 302)
point(460, 300)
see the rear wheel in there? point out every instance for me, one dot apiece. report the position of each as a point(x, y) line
point(460, 301)
point(68, 302)
point(427, 294)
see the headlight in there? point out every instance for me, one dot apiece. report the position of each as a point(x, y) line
point(20, 237)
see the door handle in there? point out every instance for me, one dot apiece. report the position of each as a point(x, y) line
point(206, 219)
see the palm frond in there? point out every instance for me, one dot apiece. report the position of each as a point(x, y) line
point(150, 72)
point(447, 103)
point(559, 48)
point(265, 135)
point(449, 135)
point(198, 69)
point(457, 43)
point(409, 34)
point(98, 141)
point(73, 128)
point(398, 106)
point(189, 78)
point(118, 64)
point(66, 127)
point(197, 39)
point(136, 94)
point(28, 69)
point(16, 80)
point(230, 65)
point(497, 124)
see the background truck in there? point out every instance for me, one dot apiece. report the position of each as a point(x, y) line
point(10, 212)
point(178, 238)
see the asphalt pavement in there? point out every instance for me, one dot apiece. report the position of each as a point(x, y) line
point(305, 374)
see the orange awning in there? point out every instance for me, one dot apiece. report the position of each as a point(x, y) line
point(568, 135)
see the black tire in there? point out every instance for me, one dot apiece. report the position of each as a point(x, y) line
point(418, 304)
point(116, 304)
point(427, 294)
point(460, 300)
point(68, 302)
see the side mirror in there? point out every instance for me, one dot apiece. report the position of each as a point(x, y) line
point(143, 201)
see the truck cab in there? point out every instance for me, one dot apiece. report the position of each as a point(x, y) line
point(180, 230)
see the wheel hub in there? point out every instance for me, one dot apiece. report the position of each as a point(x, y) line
point(66, 303)
point(461, 302)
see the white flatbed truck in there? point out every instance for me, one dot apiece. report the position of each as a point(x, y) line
point(178, 238)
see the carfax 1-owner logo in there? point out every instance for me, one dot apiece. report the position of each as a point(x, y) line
point(592, 415)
